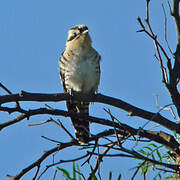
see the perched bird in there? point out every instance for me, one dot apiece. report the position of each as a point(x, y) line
point(80, 72)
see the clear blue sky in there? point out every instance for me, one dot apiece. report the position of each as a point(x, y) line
point(33, 35)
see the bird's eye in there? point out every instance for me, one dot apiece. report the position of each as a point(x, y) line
point(82, 29)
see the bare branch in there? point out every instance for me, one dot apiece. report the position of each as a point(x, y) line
point(52, 140)
point(173, 72)
point(5, 88)
point(122, 127)
point(113, 118)
point(69, 160)
point(99, 159)
point(67, 132)
point(165, 28)
point(134, 154)
point(94, 148)
point(37, 171)
point(138, 168)
point(166, 107)
point(175, 14)
point(9, 92)
point(153, 38)
point(134, 111)
point(38, 162)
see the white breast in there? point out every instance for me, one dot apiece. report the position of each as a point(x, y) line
point(83, 76)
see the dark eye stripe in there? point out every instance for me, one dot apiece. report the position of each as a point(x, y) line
point(83, 29)
point(72, 37)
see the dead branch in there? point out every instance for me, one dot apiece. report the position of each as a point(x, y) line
point(38, 162)
point(125, 129)
point(174, 73)
point(134, 111)
point(99, 159)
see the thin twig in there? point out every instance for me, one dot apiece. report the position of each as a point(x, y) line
point(67, 132)
point(81, 174)
point(67, 161)
point(94, 148)
point(40, 123)
point(52, 140)
point(152, 37)
point(112, 118)
point(37, 171)
point(165, 28)
point(99, 159)
point(41, 159)
point(166, 107)
point(134, 154)
point(49, 107)
point(163, 69)
point(55, 171)
point(9, 92)
point(5, 88)
point(137, 170)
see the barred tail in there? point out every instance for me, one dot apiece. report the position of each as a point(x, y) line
point(81, 125)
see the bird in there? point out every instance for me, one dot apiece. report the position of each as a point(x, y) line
point(80, 73)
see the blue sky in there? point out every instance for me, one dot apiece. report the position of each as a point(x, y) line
point(33, 35)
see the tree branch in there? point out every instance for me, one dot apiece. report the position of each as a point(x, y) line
point(38, 162)
point(175, 14)
point(134, 111)
point(134, 154)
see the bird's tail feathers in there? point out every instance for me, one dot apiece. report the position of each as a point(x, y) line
point(81, 125)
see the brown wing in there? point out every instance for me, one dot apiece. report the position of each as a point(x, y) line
point(62, 72)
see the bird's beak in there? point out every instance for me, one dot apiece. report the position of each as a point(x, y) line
point(85, 32)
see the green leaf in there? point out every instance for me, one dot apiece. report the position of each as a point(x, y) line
point(143, 152)
point(159, 175)
point(74, 171)
point(65, 173)
point(78, 169)
point(119, 177)
point(159, 155)
point(153, 145)
point(146, 147)
point(175, 135)
point(169, 177)
point(153, 157)
point(139, 163)
point(110, 175)
point(93, 174)
point(147, 164)
point(143, 169)
point(94, 177)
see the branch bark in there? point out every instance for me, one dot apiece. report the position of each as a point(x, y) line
point(133, 110)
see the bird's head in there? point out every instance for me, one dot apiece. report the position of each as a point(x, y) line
point(78, 36)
